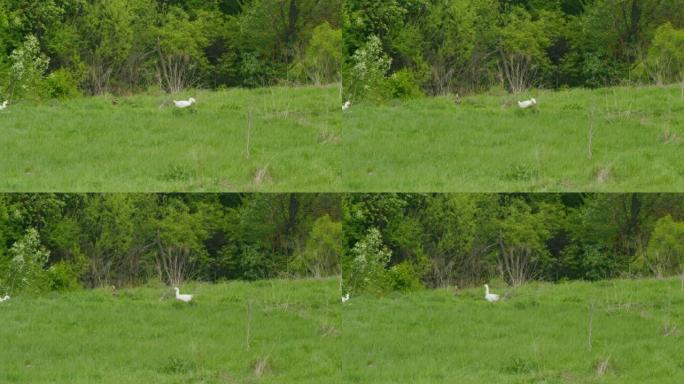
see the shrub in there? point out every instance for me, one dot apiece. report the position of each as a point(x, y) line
point(62, 277)
point(402, 85)
point(665, 60)
point(60, 85)
point(370, 258)
point(323, 249)
point(27, 69)
point(665, 252)
point(255, 264)
point(403, 277)
point(369, 67)
point(323, 57)
point(25, 270)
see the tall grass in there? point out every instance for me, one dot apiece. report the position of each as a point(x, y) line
point(265, 332)
point(539, 334)
point(269, 139)
point(612, 139)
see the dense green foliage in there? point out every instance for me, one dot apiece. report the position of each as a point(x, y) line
point(123, 46)
point(619, 331)
point(276, 331)
point(393, 240)
point(471, 45)
point(62, 241)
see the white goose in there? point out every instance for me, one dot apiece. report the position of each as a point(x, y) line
point(184, 298)
point(184, 103)
point(527, 103)
point(4, 298)
point(346, 105)
point(3, 105)
point(345, 298)
point(491, 297)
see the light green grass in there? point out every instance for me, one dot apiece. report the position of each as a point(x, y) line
point(487, 144)
point(538, 335)
point(145, 336)
point(142, 144)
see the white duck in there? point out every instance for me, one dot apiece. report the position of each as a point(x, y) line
point(184, 298)
point(491, 297)
point(345, 298)
point(4, 298)
point(527, 103)
point(3, 105)
point(184, 103)
point(346, 105)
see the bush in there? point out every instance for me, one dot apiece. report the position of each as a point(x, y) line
point(323, 249)
point(665, 252)
point(25, 269)
point(62, 277)
point(402, 85)
point(323, 57)
point(369, 67)
point(255, 264)
point(60, 85)
point(665, 60)
point(27, 69)
point(367, 269)
point(403, 277)
point(254, 71)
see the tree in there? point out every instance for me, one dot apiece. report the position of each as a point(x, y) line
point(179, 48)
point(522, 242)
point(665, 61)
point(370, 258)
point(321, 257)
point(28, 66)
point(323, 57)
point(25, 269)
point(665, 252)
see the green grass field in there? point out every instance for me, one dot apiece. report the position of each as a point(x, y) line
point(487, 144)
point(539, 334)
point(270, 139)
point(145, 336)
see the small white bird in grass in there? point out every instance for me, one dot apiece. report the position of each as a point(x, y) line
point(3, 105)
point(346, 105)
point(184, 103)
point(4, 298)
point(345, 298)
point(184, 298)
point(491, 297)
point(527, 103)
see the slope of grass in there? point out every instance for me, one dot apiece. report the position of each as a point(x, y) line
point(270, 139)
point(539, 334)
point(487, 144)
point(143, 335)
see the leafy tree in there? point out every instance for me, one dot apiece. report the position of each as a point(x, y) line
point(322, 59)
point(370, 65)
point(665, 253)
point(27, 69)
point(25, 268)
point(321, 257)
point(368, 266)
point(665, 61)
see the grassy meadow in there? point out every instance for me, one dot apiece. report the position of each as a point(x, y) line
point(262, 332)
point(269, 139)
point(538, 334)
point(603, 140)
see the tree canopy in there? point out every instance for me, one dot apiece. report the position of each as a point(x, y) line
point(472, 45)
point(122, 46)
point(412, 240)
point(55, 241)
